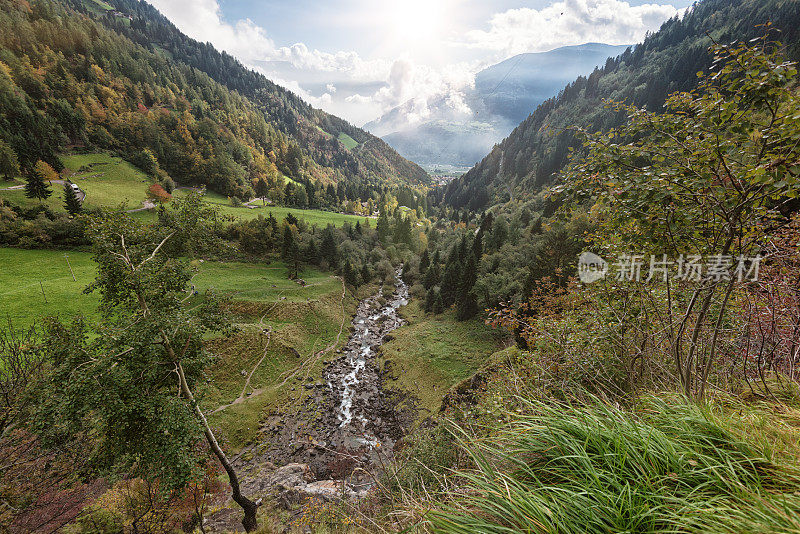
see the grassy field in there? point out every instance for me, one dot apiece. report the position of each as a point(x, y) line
point(302, 320)
point(22, 301)
point(263, 283)
point(348, 142)
point(107, 180)
point(110, 182)
point(313, 217)
point(283, 335)
point(431, 353)
point(21, 298)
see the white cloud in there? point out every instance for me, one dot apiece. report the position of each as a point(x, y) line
point(202, 20)
point(362, 89)
point(568, 22)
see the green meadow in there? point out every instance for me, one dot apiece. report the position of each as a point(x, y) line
point(347, 141)
point(38, 283)
point(432, 353)
point(111, 182)
point(108, 181)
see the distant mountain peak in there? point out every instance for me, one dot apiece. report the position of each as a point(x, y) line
point(502, 96)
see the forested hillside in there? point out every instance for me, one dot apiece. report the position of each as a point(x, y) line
point(667, 61)
point(168, 103)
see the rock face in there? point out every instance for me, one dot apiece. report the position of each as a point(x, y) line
point(295, 483)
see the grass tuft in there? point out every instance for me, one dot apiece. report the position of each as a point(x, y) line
point(667, 467)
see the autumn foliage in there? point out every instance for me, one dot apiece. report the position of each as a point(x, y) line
point(158, 193)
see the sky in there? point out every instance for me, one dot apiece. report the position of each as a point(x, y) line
point(359, 59)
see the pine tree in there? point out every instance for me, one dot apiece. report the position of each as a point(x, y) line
point(350, 275)
point(37, 187)
point(366, 275)
point(384, 228)
point(288, 242)
point(477, 245)
point(430, 298)
point(273, 224)
point(432, 276)
point(424, 262)
point(467, 307)
point(328, 249)
point(293, 260)
point(312, 252)
point(406, 274)
point(438, 304)
point(71, 202)
point(465, 301)
point(9, 164)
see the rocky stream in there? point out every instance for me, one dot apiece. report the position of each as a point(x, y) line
point(336, 441)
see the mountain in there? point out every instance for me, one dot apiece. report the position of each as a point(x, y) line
point(119, 76)
point(666, 61)
point(513, 88)
point(461, 132)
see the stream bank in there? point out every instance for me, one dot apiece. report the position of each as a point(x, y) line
point(346, 427)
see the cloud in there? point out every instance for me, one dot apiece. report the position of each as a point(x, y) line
point(361, 89)
point(202, 20)
point(568, 22)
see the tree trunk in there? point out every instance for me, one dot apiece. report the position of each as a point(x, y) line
point(250, 508)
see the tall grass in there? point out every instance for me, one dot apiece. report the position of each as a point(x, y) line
point(667, 467)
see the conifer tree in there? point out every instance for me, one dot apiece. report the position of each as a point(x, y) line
point(465, 301)
point(328, 249)
point(293, 259)
point(273, 224)
point(71, 202)
point(350, 275)
point(424, 262)
point(312, 252)
point(36, 187)
point(430, 298)
point(438, 304)
point(9, 164)
point(432, 276)
point(477, 245)
point(288, 242)
point(383, 227)
point(366, 275)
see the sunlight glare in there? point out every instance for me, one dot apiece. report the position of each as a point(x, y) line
point(417, 23)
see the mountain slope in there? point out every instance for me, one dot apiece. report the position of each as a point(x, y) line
point(67, 80)
point(294, 116)
point(460, 133)
point(513, 88)
point(667, 61)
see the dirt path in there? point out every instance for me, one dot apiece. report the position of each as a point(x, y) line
point(243, 394)
point(146, 205)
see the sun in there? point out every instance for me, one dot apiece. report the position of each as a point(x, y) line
point(417, 23)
